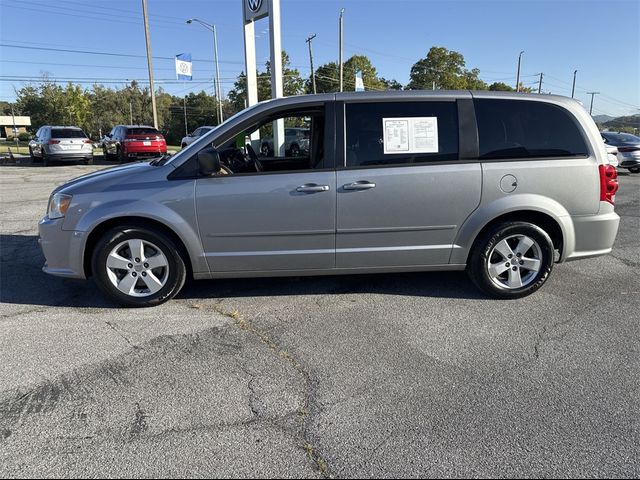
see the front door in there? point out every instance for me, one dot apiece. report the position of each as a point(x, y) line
point(404, 193)
point(270, 211)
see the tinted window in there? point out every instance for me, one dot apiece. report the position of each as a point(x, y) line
point(526, 129)
point(142, 131)
point(67, 133)
point(621, 138)
point(370, 125)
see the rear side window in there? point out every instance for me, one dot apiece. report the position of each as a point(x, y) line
point(142, 131)
point(67, 133)
point(400, 133)
point(527, 129)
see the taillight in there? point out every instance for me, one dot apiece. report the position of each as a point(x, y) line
point(608, 183)
point(628, 149)
point(88, 141)
point(54, 142)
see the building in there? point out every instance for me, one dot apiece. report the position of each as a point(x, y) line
point(7, 125)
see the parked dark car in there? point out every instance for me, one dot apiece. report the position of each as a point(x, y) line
point(628, 149)
point(129, 142)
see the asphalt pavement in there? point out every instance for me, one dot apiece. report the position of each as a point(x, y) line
point(412, 375)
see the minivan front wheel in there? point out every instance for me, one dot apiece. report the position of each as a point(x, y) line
point(511, 260)
point(138, 267)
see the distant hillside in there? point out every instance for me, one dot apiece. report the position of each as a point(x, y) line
point(628, 122)
point(602, 118)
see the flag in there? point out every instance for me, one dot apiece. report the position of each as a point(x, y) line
point(359, 82)
point(183, 66)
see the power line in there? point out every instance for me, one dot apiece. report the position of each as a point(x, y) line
point(112, 54)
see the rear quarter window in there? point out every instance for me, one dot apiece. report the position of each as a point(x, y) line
point(527, 129)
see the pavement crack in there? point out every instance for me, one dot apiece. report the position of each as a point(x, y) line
point(113, 327)
point(304, 409)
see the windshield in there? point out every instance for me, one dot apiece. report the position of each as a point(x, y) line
point(142, 131)
point(622, 137)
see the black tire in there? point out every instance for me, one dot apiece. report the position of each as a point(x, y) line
point(120, 156)
point(45, 160)
point(634, 169)
point(88, 161)
point(295, 150)
point(106, 155)
point(174, 277)
point(484, 252)
point(32, 158)
point(184, 145)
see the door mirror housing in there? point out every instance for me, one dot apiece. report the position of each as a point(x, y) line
point(208, 161)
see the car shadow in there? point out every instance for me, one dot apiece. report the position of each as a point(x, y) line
point(22, 281)
point(25, 161)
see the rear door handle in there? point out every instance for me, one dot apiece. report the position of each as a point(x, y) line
point(360, 185)
point(312, 188)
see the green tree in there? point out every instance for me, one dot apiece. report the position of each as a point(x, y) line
point(292, 84)
point(391, 84)
point(500, 87)
point(446, 69)
point(327, 76)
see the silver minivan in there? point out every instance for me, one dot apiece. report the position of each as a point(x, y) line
point(502, 185)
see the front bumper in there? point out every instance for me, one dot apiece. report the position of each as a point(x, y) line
point(63, 249)
point(629, 160)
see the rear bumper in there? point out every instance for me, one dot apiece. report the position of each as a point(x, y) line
point(70, 157)
point(594, 235)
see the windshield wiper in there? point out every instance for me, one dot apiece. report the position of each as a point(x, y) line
point(160, 160)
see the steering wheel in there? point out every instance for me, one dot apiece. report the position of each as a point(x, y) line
point(254, 158)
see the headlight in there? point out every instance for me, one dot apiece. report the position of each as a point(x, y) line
point(58, 205)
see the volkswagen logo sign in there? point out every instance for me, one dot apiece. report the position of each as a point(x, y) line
point(254, 5)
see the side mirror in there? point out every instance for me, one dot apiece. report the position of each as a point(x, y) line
point(208, 161)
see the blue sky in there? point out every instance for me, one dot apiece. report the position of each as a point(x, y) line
point(601, 39)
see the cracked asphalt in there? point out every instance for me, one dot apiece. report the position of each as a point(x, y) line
point(412, 375)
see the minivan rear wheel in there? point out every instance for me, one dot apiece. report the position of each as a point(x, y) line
point(138, 267)
point(511, 260)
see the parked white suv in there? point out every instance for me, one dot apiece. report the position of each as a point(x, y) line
point(197, 133)
point(61, 143)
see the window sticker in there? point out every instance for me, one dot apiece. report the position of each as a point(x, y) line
point(410, 135)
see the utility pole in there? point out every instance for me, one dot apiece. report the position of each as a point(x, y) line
point(184, 100)
point(518, 75)
point(341, 31)
point(130, 112)
point(313, 74)
point(592, 95)
point(573, 89)
point(149, 63)
point(540, 83)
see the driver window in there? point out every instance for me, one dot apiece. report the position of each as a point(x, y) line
point(289, 142)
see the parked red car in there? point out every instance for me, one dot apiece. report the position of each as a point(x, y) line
point(129, 142)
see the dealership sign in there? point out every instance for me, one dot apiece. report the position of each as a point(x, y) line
point(255, 9)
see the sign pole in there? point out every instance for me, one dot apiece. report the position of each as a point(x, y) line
point(276, 72)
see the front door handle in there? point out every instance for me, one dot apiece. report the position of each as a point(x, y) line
point(361, 185)
point(312, 188)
